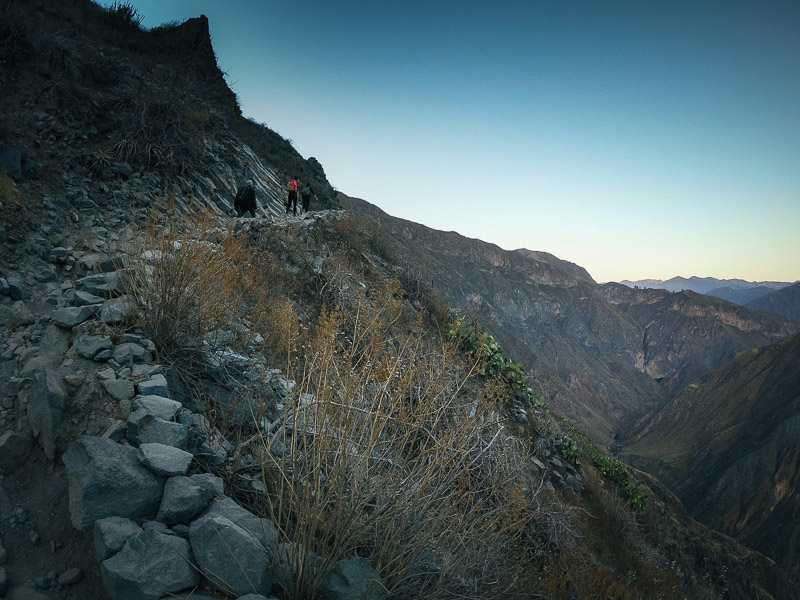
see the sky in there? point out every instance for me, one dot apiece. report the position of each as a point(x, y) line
point(637, 139)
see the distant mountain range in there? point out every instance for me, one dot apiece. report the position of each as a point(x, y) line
point(785, 301)
point(706, 285)
point(753, 294)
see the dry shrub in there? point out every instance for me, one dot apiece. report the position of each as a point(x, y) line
point(9, 194)
point(187, 280)
point(377, 450)
point(378, 454)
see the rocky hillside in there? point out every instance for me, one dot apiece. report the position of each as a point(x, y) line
point(727, 446)
point(604, 355)
point(207, 407)
point(785, 301)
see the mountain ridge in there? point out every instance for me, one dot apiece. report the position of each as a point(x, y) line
point(702, 285)
point(592, 347)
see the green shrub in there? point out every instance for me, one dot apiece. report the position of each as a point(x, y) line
point(577, 444)
point(473, 340)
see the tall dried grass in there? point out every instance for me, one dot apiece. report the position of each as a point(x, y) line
point(378, 450)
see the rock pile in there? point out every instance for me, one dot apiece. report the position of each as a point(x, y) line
point(162, 528)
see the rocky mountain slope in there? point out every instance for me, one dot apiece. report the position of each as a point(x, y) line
point(785, 301)
point(728, 447)
point(124, 463)
point(604, 355)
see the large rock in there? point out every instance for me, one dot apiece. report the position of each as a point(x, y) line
point(80, 298)
point(68, 317)
point(155, 386)
point(111, 533)
point(213, 485)
point(106, 479)
point(105, 285)
point(144, 428)
point(158, 406)
point(352, 579)
point(17, 288)
point(21, 315)
point(88, 346)
point(232, 559)
point(115, 310)
point(14, 449)
point(129, 353)
point(263, 529)
point(164, 460)
point(46, 400)
point(150, 566)
point(182, 501)
point(119, 389)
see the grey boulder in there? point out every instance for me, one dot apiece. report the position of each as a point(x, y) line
point(232, 559)
point(155, 386)
point(119, 389)
point(111, 533)
point(150, 565)
point(183, 500)
point(164, 460)
point(352, 579)
point(144, 428)
point(106, 479)
point(88, 346)
point(69, 316)
point(129, 353)
point(158, 406)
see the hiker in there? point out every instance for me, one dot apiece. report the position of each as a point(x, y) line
point(291, 201)
point(245, 199)
point(305, 196)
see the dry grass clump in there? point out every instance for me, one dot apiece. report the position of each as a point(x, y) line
point(377, 450)
point(9, 194)
point(377, 453)
point(188, 279)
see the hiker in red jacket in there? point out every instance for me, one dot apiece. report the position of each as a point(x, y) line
point(291, 201)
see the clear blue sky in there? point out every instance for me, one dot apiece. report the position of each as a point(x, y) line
point(638, 139)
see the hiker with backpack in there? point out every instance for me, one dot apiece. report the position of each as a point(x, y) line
point(305, 196)
point(291, 201)
point(245, 199)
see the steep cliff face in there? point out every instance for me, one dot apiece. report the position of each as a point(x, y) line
point(728, 447)
point(604, 355)
point(685, 335)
